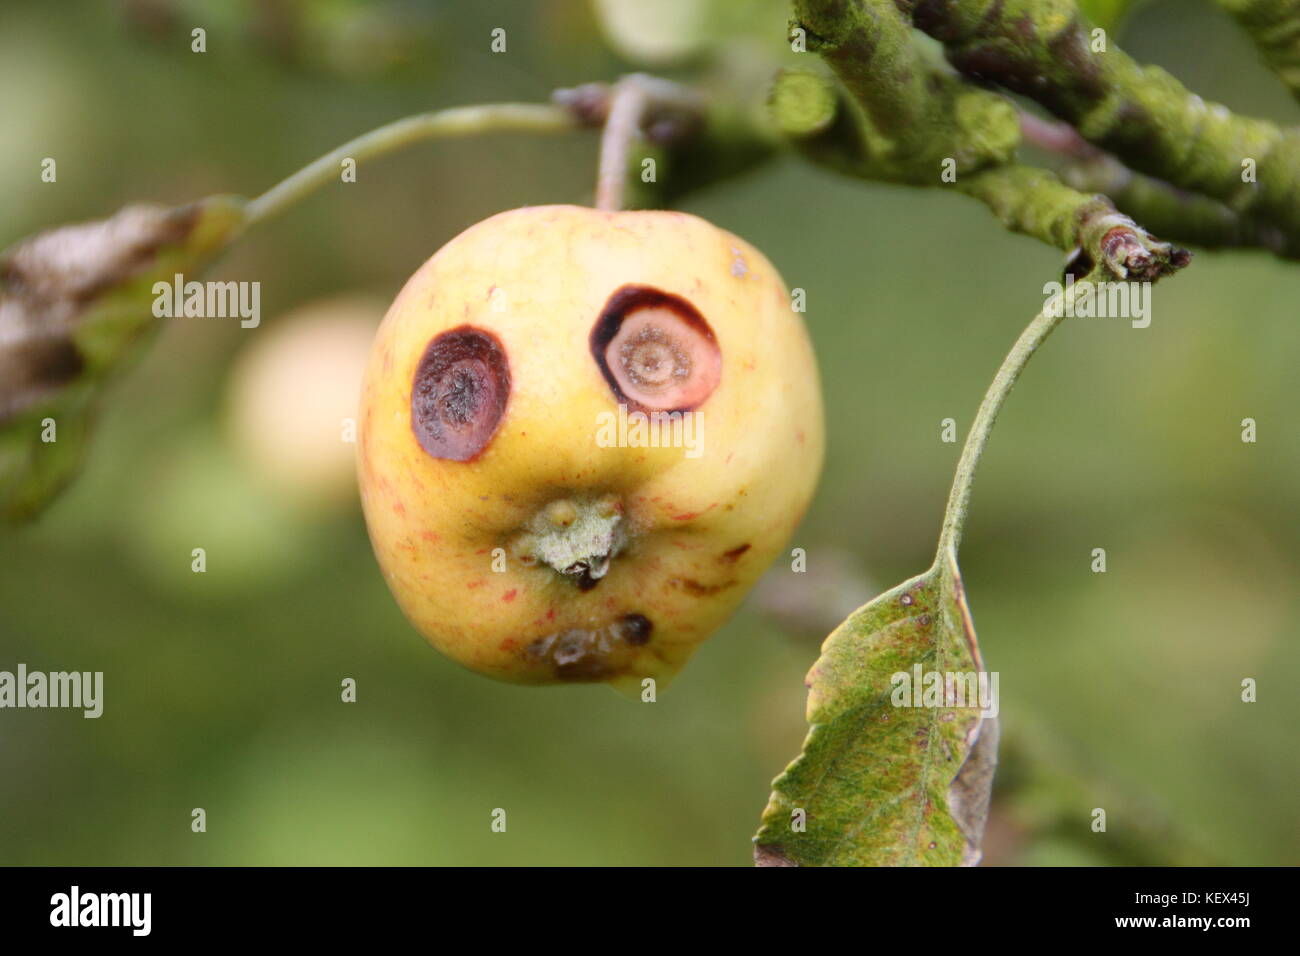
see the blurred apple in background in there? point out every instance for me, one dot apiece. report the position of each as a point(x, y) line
point(291, 403)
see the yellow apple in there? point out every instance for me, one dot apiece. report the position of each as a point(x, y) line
point(583, 436)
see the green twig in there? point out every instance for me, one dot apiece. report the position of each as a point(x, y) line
point(460, 121)
point(954, 518)
point(1034, 202)
point(1046, 50)
point(916, 116)
point(1274, 25)
point(1163, 208)
point(827, 128)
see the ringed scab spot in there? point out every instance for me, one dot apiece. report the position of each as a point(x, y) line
point(655, 351)
point(578, 654)
point(459, 393)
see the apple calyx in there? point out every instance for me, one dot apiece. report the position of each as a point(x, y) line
point(577, 537)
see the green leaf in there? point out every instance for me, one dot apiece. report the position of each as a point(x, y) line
point(881, 784)
point(76, 305)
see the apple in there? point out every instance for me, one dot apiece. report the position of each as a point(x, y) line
point(583, 436)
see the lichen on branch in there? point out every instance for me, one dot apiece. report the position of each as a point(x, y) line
point(1274, 25)
point(1159, 206)
point(916, 115)
point(1033, 201)
point(1047, 50)
point(1190, 170)
point(820, 120)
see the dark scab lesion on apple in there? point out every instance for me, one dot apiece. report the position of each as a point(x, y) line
point(579, 655)
point(635, 629)
point(655, 350)
point(459, 393)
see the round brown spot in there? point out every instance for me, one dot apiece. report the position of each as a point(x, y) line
point(459, 393)
point(634, 628)
point(655, 350)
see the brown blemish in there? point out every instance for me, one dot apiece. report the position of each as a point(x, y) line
point(655, 351)
point(734, 554)
point(578, 654)
point(689, 515)
point(459, 393)
point(634, 629)
point(771, 856)
point(700, 590)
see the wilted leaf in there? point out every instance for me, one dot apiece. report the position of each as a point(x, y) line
point(75, 305)
point(880, 784)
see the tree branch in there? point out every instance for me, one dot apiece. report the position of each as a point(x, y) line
point(1161, 207)
point(1044, 49)
point(916, 116)
point(826, 128)
point(1274, 26)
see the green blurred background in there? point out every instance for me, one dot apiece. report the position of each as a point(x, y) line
point(1119, 690)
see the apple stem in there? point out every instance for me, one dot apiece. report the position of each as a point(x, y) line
point(630, 106)
point(623, 124)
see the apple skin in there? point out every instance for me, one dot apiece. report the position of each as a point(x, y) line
point(696, 532)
